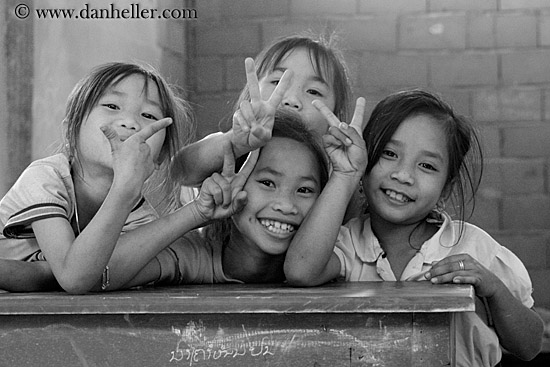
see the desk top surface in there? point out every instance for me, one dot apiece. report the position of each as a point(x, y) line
point(353, 297)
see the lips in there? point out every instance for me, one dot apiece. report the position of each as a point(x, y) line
point(397, 196)
point(277, 227)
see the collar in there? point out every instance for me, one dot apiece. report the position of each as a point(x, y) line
point(434, 249)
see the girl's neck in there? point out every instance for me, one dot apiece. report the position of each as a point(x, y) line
point(401, 242)
point(90, 192)
point(400, 237)
point(244, 261)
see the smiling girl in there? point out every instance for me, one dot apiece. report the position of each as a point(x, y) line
point(420, 155)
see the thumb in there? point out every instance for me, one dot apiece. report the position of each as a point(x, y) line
point(112, 136)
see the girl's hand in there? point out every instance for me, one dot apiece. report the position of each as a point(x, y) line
point(343, 143)
point(253, 121)
point(464, 269)
point(132, 161)
point(221, 195)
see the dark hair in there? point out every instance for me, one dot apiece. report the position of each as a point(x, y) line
point(286, 125)
point(87, 92)
point(463, 146)
point(326, 59)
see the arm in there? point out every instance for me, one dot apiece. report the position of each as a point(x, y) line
point(310, 259)
point(221, 195)
point(78, 262)
point(518, 327)
point(23, 276)
point(252, 126)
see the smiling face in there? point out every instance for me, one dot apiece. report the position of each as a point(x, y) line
point(127, 106)
point(411, 174)
point(281, 190)
point(306, 85)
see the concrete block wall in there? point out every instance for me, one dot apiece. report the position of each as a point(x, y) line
point(490, 59)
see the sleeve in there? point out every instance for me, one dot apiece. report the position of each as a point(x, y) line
point(509, 268)
point(344, 251)
point(188, 260)
point(39, 193)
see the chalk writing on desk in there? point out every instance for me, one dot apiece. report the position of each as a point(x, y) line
point(196, 344)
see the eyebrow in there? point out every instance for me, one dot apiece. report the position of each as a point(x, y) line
point(112, 90)
point(279, 174)
point(427, 153)
point(315, 78)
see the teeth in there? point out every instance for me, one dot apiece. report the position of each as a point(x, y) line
point(277, 227)
point(396, 196)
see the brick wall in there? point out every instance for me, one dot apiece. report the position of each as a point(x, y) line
point(490, 58)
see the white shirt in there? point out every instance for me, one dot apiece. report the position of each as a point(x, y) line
point(361, 258)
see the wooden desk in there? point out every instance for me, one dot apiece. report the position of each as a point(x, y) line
point(339, 324)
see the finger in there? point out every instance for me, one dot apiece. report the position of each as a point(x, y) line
point(111, 136)
point(340, 136)
point(261, 133)
point(327, 113)
point(252, 79)
point(239, 202)
point(238, 120)
point(213, 189)
point(279, 92)
point(247, 113)
point(249, 164)
point(153, 128)
point(228, 169)
point(222, 196)
point(357, 120)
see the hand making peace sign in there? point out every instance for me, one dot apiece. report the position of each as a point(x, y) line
point(253, 121)
point(343, 143)
point(221, 195)
point(132, 161)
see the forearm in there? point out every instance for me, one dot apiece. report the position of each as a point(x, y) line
point(22, 276)
point(308, 256)
point(519, 328)
point(197, 161)
point(137, 248)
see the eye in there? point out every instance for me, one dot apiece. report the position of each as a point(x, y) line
point(428, 167)
point(315, 92)
point(306, 190)
point(149, 116)
point(111, 106)
point(388, 153)
point(267, 183)
point(274, 81)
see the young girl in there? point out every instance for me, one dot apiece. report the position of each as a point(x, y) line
point(317, 72)
point(419, 155)
point(283, 180)
point(122, 122)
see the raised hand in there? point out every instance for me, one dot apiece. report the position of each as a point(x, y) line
point(132, 160)
point(253, 121)
point(221, 195)
point(343, 143)
point(462, 268)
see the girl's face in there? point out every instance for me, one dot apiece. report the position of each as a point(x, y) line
point(281, 190)
point(410, 176)
point(306, 85)
point(127, 107)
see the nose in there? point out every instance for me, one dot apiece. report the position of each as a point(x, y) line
point(285, 204)
point(403, 174)
point(130, 122)
point(291, 99)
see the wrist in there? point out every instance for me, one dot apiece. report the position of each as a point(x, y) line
point(238, 150)
point(199, 218)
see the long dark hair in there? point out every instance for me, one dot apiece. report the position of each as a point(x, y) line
point(465, 155)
